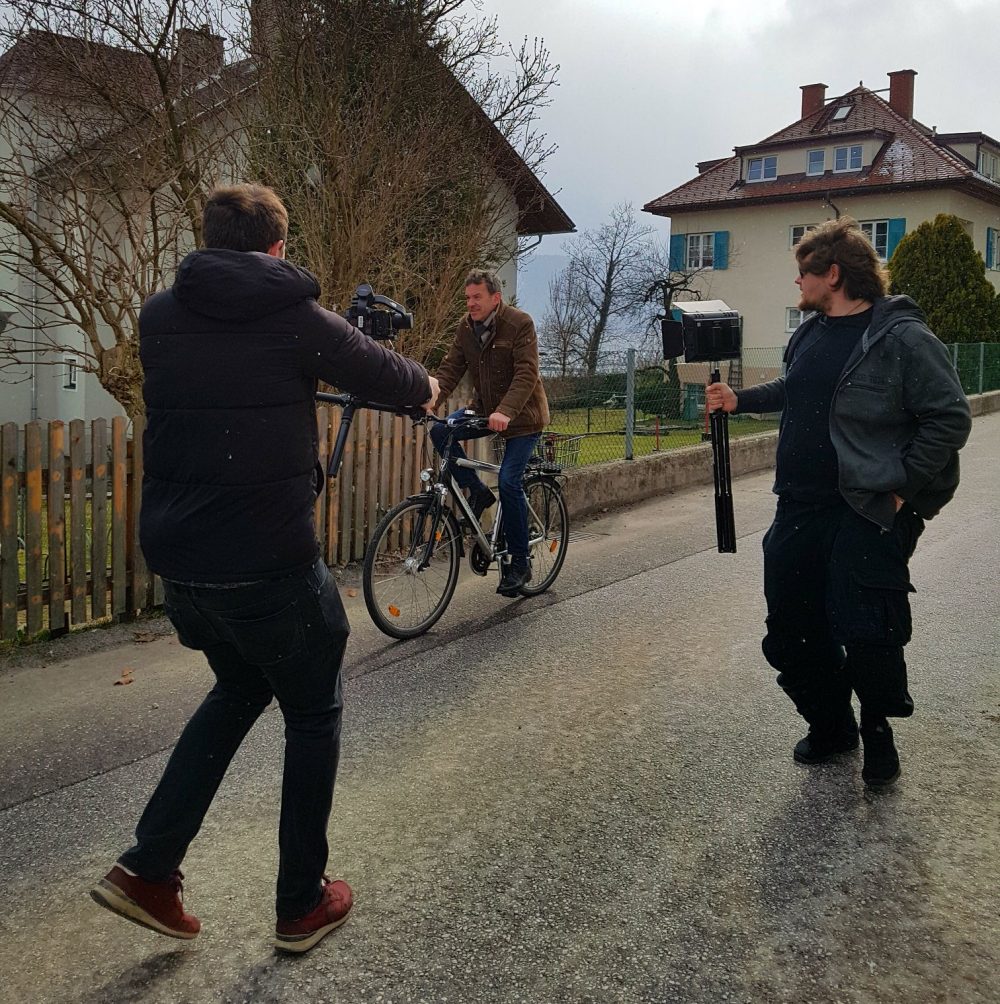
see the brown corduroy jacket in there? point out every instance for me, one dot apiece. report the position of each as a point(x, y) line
point(504, 371)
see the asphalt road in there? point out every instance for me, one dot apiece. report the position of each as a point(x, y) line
point(587, 797)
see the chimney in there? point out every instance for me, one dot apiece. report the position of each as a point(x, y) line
point(198, 53)
point(813, 97)
point(901, 93)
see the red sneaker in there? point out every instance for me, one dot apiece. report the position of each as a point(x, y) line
point(156, 905)
point(301, 935)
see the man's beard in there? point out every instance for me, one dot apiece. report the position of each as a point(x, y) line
point(819, 303)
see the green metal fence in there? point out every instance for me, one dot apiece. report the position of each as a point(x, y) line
point(978, 366)
point(633, 405)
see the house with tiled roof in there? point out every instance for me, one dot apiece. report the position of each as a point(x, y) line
point(38, 84)
point(857, 154)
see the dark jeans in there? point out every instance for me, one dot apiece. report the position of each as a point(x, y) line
point(838, 612)
point(281, 638)
point(517, 453)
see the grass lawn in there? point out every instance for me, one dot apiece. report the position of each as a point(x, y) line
point(602, 434)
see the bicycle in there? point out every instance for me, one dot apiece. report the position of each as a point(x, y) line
point(412, 562)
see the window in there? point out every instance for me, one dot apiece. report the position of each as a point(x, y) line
point(793, 318)
point(815, 162)
point(797, 232)
point(989, 165)
point(762, 169)
point(70, 369)
point(697, 251)
point(841, 113)
point(847, 158)
point(700, 251)
point(992, 248)
point(877, 231)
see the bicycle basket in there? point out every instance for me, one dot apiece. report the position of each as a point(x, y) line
point(559, 449)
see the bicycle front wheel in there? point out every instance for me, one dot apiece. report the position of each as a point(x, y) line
point(548, 533)
point(411, 567)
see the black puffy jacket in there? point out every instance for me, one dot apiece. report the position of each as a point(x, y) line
point(232, 354)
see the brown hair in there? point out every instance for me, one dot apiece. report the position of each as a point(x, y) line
point(841, 242)
point(481, 275)
point(244, 218)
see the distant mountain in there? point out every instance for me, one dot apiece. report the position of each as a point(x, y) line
point(533, 282)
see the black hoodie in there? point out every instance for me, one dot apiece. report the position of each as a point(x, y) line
point(232, 354)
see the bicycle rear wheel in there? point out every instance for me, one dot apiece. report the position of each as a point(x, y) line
point(403, 598)
point(548, 533)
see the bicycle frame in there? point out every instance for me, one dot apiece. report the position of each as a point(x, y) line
point(349, 404)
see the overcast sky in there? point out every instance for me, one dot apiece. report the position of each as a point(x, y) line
point(650, 87)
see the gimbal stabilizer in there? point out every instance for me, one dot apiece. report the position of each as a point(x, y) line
point(711, 336)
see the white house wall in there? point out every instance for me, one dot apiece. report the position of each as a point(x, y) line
point(760, 279)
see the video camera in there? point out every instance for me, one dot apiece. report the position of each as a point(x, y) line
point(377, 316)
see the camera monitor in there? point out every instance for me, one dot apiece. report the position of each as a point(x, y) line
point(707, 335)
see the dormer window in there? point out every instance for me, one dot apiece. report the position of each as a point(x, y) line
point(815, 161)
point(847, 158)
point(989, 165)
point(762, 169)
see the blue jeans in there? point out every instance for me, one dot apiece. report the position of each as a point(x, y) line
point(517, 453)
point(282, 638)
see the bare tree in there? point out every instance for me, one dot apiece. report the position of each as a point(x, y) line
point(390, 129)
point(561, 332)
point(403, 164)
point(111, 128)
point(605, 273)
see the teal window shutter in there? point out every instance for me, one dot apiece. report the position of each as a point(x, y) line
point(991, 248)
point(678, 246)
point(720, 258)
point(894, 234)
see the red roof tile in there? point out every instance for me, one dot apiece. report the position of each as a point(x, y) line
point(909, 157)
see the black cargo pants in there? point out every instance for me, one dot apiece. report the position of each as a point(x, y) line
point(838, 612)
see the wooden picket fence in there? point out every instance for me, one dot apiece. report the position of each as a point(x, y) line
point(69, 508)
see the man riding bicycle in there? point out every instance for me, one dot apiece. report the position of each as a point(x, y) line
point(496, 343)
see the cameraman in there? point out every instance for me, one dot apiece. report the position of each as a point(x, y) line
point(873, 417)
point(498, 345)
point(232, 354)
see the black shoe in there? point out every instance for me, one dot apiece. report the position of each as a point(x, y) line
point(480, 500)
point(881, 766)
point(823, 743)
point(515, 577)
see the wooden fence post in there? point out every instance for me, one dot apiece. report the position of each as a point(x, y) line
point(119, 516)
point(140, 577)
point(99, 519)
point(33, 524)
point(56, 506)
point(10, 577)
point(78, 522)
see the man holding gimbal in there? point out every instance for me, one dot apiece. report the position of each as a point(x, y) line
point(497, 344)
point(873, 417)
point(232, 354)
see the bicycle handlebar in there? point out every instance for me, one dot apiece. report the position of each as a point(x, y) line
point(350, 403)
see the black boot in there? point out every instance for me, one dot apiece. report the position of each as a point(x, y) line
point(517, 574)
point(826, 739)
point(480, 500)
point(881, 766)
point(826, 705)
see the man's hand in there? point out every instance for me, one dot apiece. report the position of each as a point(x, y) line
point(720, 395)
point(498, 422)
point(898, 501)
point(429, 404)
